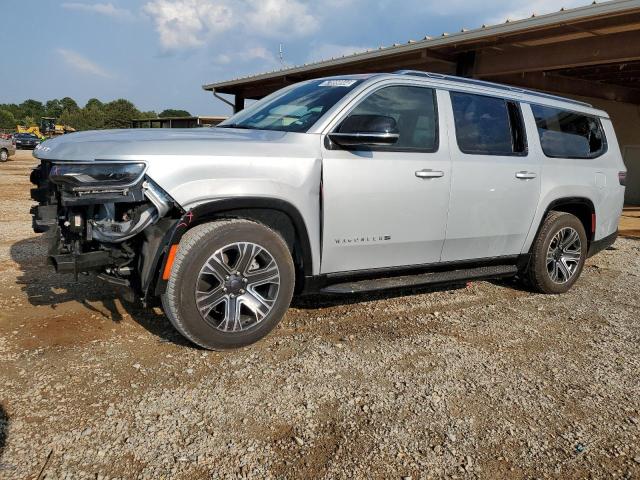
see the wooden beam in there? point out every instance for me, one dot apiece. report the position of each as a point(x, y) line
point(619, 47)
point(238, 103)
point(571, 85)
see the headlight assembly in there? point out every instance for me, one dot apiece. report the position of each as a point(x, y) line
point(96, 176)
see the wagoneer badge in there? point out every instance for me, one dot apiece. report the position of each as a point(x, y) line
point(367, 239)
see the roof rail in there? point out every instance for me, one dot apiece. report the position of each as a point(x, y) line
point(484, 83)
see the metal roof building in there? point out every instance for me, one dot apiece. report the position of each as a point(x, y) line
point(590, 53)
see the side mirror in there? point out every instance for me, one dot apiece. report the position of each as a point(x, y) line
point(363, 130)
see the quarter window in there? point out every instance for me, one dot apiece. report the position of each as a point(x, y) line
point(488, 125)
point(415, 112)
point(565, 134)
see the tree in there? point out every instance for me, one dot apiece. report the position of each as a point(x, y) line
point(94, 103)
point(7, 120)
point(32, 108)
point(170, 112)
point(119, 113)
point(69, 104)
point(84, 119)
point(53, 108)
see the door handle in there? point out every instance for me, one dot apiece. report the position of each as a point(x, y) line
point(525, 175)
point(428, 173)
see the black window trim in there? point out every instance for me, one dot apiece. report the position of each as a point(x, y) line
point(507, 101)
point(377, 148)
point(605, 142)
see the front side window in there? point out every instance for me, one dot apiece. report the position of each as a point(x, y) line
point(488, 125)
point(414, 110)
point(295, 111)
point(565, 134)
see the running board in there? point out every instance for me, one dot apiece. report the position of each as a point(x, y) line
point(421, 279)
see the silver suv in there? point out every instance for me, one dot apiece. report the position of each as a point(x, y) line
point(336, 185)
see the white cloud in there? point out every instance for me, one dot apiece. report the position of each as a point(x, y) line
point(186, 23)
point(274, 18)
point(183, 24)
point(82, 64)
point(107, 9)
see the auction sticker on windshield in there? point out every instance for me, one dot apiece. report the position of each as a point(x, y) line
point(337, 83)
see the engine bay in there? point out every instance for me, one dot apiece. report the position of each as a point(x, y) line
point(98, 220)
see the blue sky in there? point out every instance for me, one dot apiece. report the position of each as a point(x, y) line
point(158, 53)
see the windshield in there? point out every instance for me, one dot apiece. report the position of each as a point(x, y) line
point(295, 111)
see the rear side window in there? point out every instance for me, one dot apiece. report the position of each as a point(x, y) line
point(415, 112)
point(565, 134)
point(488, 125)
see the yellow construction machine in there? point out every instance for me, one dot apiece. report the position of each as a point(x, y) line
point(34, 130)
point(50, 128)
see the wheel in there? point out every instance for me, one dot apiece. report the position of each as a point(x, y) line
point(4, 155)
point(558, 254)
point(231, 283)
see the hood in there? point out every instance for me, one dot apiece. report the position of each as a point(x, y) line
point(136, 144)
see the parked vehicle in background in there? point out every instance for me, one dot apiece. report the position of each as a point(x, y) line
point(7, 148)
point(26, 140)
point(336, 185)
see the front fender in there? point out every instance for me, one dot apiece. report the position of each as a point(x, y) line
point(219, 209)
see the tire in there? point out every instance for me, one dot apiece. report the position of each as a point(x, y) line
point(4, 155)
point(558, 254)
point(250, 262)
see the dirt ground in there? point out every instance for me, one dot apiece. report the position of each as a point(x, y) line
point(488, 381)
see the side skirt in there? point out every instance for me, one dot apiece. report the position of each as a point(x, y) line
point(418, 275)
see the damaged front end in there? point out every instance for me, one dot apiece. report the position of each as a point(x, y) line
point(104, 217)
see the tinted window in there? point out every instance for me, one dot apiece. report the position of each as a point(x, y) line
point(568, 134)
point(488, 125)
point(414, 110)
point(295, 111)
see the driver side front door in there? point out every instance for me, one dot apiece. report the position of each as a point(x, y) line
point(386, 207)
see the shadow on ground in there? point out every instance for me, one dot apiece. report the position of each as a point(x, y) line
point(4, 428)
point(44, 287)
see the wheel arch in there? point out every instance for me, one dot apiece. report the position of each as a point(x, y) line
point(277, 214)
point(581, 207)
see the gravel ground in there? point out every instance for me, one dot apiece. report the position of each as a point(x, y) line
point(487, 381)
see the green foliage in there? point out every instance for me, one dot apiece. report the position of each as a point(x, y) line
point(7, 120)
point(150, 114)
point(32, 108)
point(69, 104)
point(170, 112)
point(119, 113)
point(94, 115)
point(53, 108)
point(94, 103)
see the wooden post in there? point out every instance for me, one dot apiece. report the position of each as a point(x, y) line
point(238, 103)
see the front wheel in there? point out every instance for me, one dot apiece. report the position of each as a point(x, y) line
point(558, 254)
point(231, 283)
point(4, 155)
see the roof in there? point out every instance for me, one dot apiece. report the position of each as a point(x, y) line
point(458, 41)
point(452, 79)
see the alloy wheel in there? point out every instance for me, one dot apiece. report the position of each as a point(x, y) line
point(563, 255)
point(237, 287)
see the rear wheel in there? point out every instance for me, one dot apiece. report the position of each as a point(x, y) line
point(558, 254)
point(230, 285)
point(4, 155)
